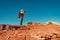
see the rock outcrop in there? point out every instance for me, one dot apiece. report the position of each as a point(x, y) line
point(30, 31)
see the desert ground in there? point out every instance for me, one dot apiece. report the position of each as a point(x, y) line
point(30, 31)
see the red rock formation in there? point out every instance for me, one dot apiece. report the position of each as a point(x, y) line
point(30, 31)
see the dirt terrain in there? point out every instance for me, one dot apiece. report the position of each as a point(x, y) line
point(30, 31)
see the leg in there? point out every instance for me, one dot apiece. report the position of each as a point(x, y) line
point(21, 20)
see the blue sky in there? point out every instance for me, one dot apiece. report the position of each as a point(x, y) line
point(36, 11)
